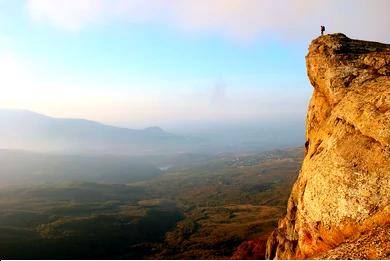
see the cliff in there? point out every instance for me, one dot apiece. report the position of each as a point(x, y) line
point(342, 194)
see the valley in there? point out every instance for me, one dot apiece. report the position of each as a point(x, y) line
point(200, 208)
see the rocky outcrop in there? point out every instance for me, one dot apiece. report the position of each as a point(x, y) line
point(343, 189)
point(251, 250)
point(372, 244)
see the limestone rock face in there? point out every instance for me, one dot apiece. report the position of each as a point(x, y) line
point(343, 189)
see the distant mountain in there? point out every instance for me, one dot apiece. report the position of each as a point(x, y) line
point(27, 130)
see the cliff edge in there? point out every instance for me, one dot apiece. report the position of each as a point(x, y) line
point(342, 194)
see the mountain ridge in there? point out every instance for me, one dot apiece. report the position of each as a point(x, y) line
point(36, 114)
point(27, 130)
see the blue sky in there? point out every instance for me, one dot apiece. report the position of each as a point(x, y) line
point(134, 64)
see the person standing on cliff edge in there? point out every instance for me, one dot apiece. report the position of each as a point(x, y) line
point(322, 29)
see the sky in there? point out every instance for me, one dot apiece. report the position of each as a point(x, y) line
point(176, 64)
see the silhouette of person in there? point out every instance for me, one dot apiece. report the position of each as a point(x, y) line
point(322, 29)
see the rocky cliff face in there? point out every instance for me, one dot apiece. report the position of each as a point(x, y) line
point(343, 190)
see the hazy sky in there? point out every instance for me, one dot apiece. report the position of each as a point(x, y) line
point(138, 63)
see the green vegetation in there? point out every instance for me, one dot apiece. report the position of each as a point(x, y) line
point(226, 200)
point(214, 232)
point(79, 220)
point(200, 209)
